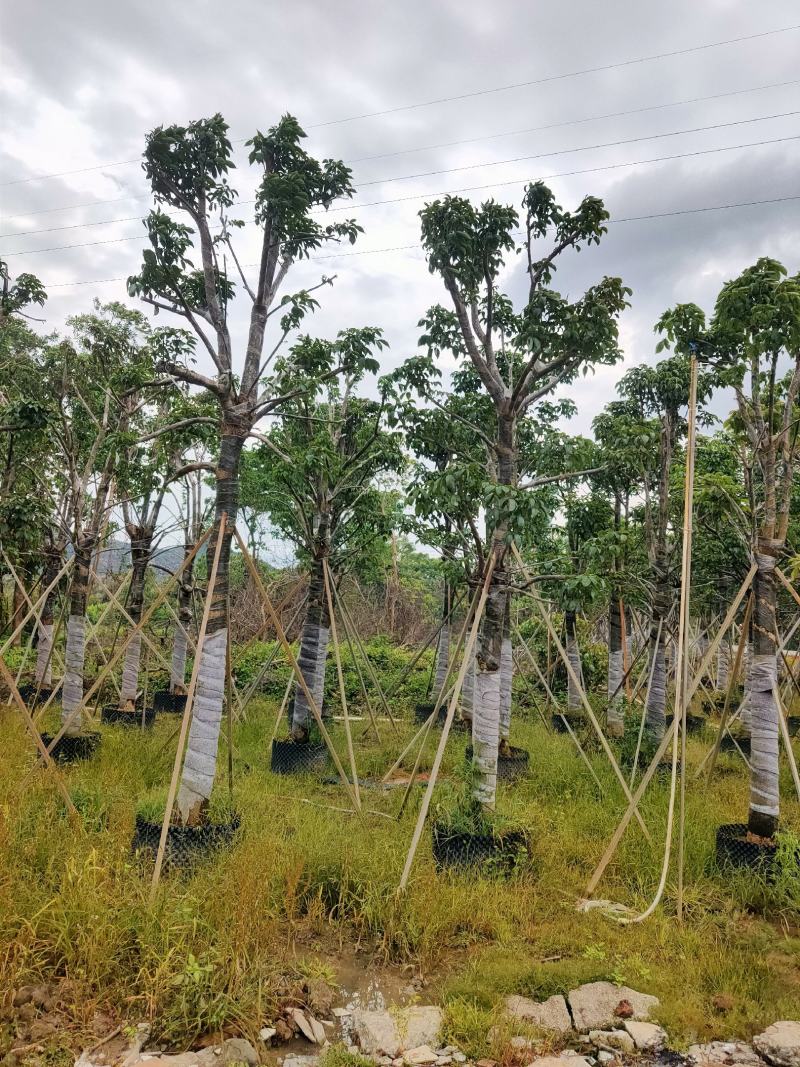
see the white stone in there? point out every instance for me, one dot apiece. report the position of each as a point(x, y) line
point(420, 1056)
point(342, 1013)
point(780, 1043)
point(234, 1050)
point(420, 1025)
point(605, 1057)
point(306, 1027)
point(559, 1061)
point(612, 1039)
point(593, 1006)
point(550, 1014)
point(301, 1061)
point(646, 1035)
point(377, 1032)
point(723, 1052)
point(459, 1057)
point(266, 1033)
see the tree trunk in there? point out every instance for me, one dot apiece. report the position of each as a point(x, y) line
point(506, 681)
point(468, 691)
point(746, 684)
point(75, 654)
point(723, 667)
point(140, 557)
point(17, 612)
point(442, 657)
point(199, 767)
point(656, 711)
point(180, 640)
point(574, 657)
point(313, 642)
point(764, 796)
point(616, 659)
point(44, 648)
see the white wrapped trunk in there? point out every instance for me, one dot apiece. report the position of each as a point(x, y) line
point(177, 674)
point(44, 658)
point(130, 670)
point(442, 659)
point(506, 682)
point(486, 735)
point(574, 657)
point(747, 696)
point(723, 667)
point(468, 690)
point(199, 767)
point(72, 695)
point(764, 731)
point(655, 713)
point(318, 688)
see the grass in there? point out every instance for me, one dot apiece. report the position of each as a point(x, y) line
point(304, 881)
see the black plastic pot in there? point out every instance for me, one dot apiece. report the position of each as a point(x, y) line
point(560, 726)
point(28, 692)
point(170, 702)
point(73, 747)
point(422, 712)
point(727, 744)
point(298, 757)
point(460, 850)
point(793, 724)
point(734, 850)
point(509, 768)
point(185, 845)
point(114, 716)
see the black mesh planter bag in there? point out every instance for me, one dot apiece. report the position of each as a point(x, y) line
point(452, 849)
point(185, 845)
point(298, 757)
point(422, 712)
point(509, 768)
point(734, 850)
point(560, 727)
point(114, 716)
point(28, 693)
point(170, 702)
point(73, 747)
point(793, 724)
point(727, 744)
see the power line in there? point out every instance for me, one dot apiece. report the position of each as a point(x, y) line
point(451, 144)
point(565, 75)
point(464, 189)
point(409, 247)
point(451, 170)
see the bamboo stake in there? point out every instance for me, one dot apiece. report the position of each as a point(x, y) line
point(120, 651)
point(37, 616)
point(637, 796)
point(282, 708)
point(8, 678)
point(357, 665)
point(644, 707)
point(228, 701)
point(187, 711)
point(340, 675)
point(451, 710)
point(370, 669)
point(584, 699)
point(394, 687)
point(248, 559)
point(37, 607)
point(787, 744)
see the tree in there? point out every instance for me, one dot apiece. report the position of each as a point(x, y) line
point(316, 472)
point(753, 344)
point(188, 168)
point(556, 338)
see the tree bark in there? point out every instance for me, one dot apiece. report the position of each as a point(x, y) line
point(180, 638)
point(140, 558)
point(616, 659)
point(656, 710)
point(764, 730)
point(574, 657)
point(199, 767)
point(75, 653)
point(314, 640)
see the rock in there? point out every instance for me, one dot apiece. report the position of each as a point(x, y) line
point(377, 1032)
point(320, 996)
point(185, 1059)
point(309, 1027)
point(444, 1061)
point(723, 1002)
point(384, 1061)
point(723, 1052)
point(593, 1005)
point(421, 1056)
point(522, 1044)
point(624, 1010)
point(550, 1014)
point(23, 996)
point(420, 1025)
point(780, 1044)
point(560, 1061)
point(605, 1057)
point(486, 1063)
point(236, 1050)
point(612, 1039)
point(301, 1061)
point(266, 1033)
point(342, 1013)
point(459, 1057)
point(646, 1035)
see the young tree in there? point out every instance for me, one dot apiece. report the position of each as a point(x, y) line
point(316, 473)
point(188, 168)
point(556, 338)
point(753, 342)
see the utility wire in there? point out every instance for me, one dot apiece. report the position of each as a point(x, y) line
point(468, 95)
point(406, 248)
point(466, 140)
point(452, 170)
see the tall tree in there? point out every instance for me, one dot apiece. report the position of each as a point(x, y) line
point(188, 168)
point(466, 246)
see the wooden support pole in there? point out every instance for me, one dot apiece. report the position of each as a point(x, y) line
point(187, 712)
point(370, 669)
point(36, 607)
point(249, 563)
point(357, 665)
point(326, 576)
point(451, 710)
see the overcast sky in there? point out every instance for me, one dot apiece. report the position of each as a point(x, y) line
point(82, 83)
